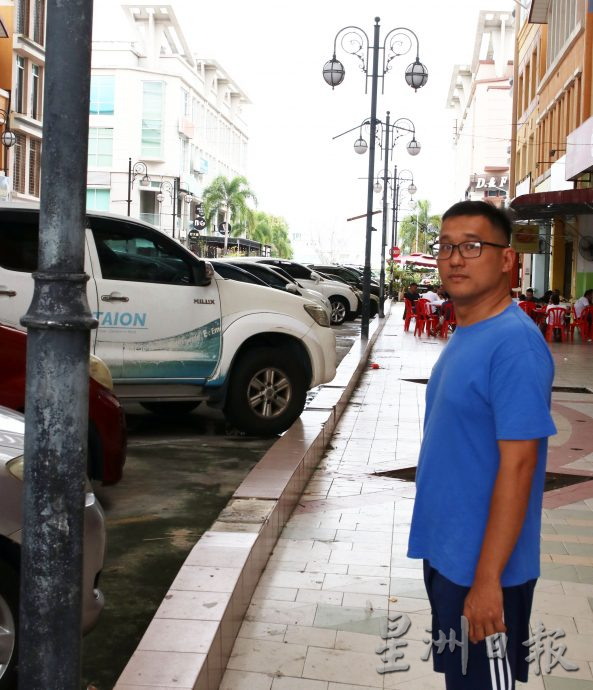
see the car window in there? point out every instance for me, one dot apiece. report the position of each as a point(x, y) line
point(230, 272)
point(130, 253)
point(267, 275)
point(19, 245)
point(295, 270)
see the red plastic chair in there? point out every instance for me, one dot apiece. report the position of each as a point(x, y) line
point(586, 323)
point(528, 307)
point(556, 321)
point(425, 319)
point(408, 313)
point(580, 323)
point(448, 320)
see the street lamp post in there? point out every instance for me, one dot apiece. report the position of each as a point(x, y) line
point(139, 169)
point(171, 190)
point(8, 137)
point(397, 181)
point(355, 41)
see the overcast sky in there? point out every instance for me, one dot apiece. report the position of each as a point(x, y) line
point(275, 50)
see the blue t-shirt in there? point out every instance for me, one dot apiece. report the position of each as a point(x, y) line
point(492, 382)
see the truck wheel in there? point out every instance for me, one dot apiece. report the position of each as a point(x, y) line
point(174, 408)
point(340, 309)
point(267, 392)
point(9, 607)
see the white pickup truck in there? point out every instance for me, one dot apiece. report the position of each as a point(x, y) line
point(174, 335)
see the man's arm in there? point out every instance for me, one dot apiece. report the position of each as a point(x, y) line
point(483, 604)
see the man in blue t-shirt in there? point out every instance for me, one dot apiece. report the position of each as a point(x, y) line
point(481, 471)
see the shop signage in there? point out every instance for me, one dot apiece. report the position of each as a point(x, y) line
point(525, 238)
point(579, 150)
point(490, 182)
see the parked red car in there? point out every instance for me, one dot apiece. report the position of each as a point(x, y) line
point(107, 423)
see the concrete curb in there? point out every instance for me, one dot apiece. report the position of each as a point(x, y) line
point(190, 638)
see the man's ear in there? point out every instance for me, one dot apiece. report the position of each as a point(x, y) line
point(508, 259)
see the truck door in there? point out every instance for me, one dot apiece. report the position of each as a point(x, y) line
point(168, 327)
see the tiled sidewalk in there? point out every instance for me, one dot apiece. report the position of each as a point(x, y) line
point(339, 569)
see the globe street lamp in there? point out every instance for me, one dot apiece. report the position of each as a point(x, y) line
point(8, 137)
point(171, 191)
point(140, 170)
point(355, 41)
point(395, 130)
point(405, 176)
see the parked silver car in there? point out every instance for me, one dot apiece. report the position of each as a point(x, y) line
point(12, 431)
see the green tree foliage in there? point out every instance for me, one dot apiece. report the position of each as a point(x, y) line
point(273, 231)
point(228, 198)
point(428, 229)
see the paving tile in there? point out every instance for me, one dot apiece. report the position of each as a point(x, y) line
point(166, 669)
point(193, 605)
point(335, 665)
point(310, 636)
point(244, 680)
point(298, 684)
point(262, 631)
point(292, 579)
point(263, 656)
point(314, 596)
point(264, 591)
point(287, 612)
point(172, 635)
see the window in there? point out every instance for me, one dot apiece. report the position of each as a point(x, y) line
point(19, 163)
point(39, 21)
point(102, 94)
point(22, 17)
point(35, 109)
point(563, 18)
point(97, 199)
point(127, 253)
point(100, 147)
point(152, 119)
point(34, 166)
point(19, 97)
point(185, 103)
point(19, 245)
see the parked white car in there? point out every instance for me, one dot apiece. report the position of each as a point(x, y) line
point(344, 302)
point(12, 434)
point(272, 276)
point(171, 332)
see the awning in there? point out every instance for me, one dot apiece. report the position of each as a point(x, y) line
point(417, 259)
point(565, 202)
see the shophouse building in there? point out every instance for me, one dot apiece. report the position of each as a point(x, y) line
point(480, 96)
point(552, 156)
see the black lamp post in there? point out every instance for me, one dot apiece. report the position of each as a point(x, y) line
point(397, 181)
point(8, 137)
point(356, 42)
point(171, 190)
point(390, 132)
point(140, 170)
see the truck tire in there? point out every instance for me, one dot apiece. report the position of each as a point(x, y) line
point(267, 392)
point(340, 309)
point(9, 609)
point(173, 408)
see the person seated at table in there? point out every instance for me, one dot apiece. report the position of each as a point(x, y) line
point(413, 295)
point(433, 298)
point(554, 304)
point(529, 296)
point(585, 301)
point(546, 296)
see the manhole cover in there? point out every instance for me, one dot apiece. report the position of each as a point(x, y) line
point(570, 389)
point(554, 480)
point(424, 381)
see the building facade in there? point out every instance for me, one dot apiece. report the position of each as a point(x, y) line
point(163, 123)
point(480, 95)
point(552, 158)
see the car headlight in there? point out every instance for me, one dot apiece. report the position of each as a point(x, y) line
point(16, 467)
point(318, 314)
point(100, 372)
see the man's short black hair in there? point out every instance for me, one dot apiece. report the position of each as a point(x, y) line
point(497, 217)
point(529, 290)
point(413, 285)
point(587, 292)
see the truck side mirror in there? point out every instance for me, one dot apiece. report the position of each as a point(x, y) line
point(203, 273)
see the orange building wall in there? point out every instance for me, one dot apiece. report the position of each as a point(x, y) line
point(7, 16)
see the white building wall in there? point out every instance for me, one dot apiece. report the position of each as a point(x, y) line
point(144, 43)
point(480, 97)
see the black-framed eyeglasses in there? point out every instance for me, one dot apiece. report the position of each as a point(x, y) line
point(468, 250)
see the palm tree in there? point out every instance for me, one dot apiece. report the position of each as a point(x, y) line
point(273, 231)
point(417, 231)
point(228, 197)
